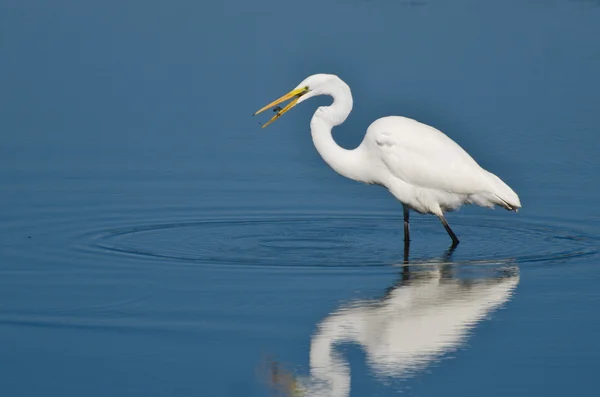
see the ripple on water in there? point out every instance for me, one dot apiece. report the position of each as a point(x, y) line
point(340, 241)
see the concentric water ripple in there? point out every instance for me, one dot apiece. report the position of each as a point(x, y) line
point(345, 241)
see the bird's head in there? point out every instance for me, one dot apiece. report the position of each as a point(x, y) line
point(317, 84)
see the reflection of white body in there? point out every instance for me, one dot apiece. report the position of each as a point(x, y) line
point(404, 332)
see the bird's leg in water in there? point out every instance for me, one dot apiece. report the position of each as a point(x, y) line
point(455, 239)
point(446, 267)
point(406, 234)
point(447, 256)
point(406, 226)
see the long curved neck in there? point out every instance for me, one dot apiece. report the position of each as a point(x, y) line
point(348, 163)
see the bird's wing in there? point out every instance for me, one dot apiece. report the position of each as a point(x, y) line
point(424, 156)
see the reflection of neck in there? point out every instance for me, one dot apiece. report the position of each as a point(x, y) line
point(415, 324)
point(327, 369)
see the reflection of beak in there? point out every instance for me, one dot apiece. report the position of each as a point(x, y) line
point(284, 381)
point(296, 94)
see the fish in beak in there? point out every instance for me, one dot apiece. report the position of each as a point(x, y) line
point(294, 95)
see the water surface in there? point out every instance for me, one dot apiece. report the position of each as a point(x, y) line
point(156, 241)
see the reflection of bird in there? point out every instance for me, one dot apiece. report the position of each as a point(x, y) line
point(423, 168)
point(428, 314)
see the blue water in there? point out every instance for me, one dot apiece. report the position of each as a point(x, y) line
point(156, 241)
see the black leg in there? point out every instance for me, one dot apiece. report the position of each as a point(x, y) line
point(455, 239)
point(406, 234)
point(406, 226)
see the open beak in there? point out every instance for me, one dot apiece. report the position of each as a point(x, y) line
point(295, 94)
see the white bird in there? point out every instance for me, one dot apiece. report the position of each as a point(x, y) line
point(421, 167)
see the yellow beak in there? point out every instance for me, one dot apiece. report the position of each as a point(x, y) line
point(296, 94)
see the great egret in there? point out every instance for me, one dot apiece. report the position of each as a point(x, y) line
point(422, 167)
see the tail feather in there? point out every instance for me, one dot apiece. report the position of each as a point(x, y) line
point(499, 194)
point(505, 196)
point(508, 206)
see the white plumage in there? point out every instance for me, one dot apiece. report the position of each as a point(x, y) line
point(422, 167)
point(426, 316)
point(430, 172)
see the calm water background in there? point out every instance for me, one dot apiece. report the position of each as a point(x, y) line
point(156, 242)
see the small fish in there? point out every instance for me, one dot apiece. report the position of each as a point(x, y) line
point(277, 109)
